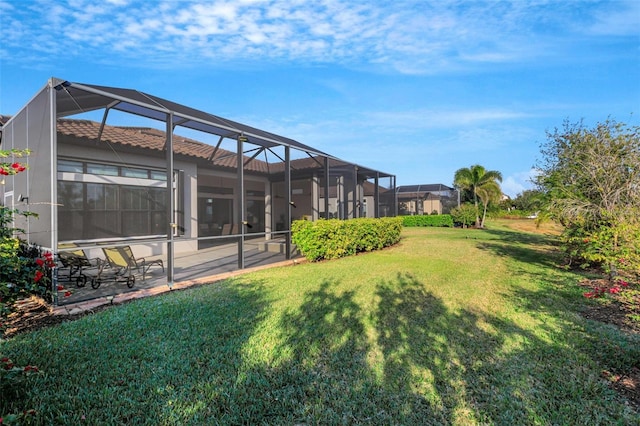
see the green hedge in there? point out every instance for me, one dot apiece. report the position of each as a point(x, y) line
point(428, 220)
point(334, 238)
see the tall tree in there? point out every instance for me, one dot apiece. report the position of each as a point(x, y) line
point(529, 201)
point(592, 178)
point(591, 174)
point(474, 177)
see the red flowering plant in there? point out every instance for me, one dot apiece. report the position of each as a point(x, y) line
point(12, 377)
point(12, 167)
point(31, 273)
point(25, 269)
point(602, 291)
point(615, 250)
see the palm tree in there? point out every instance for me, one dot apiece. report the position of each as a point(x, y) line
point(490, 192)
point(474, 177)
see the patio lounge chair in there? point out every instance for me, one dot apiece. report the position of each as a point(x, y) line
point(228, 229)
point(123, 260)
point(78, 262)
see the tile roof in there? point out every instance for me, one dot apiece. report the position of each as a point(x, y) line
point(153, 139)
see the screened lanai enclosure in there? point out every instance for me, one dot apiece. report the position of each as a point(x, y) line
point(426, 199)
point(189, 193)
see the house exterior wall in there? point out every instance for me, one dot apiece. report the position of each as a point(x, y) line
point(432, 205)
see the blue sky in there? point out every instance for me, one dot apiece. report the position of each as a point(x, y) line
point(416, 88)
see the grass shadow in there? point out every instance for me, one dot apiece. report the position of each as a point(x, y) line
point(327, 377)
point(522, 237)
point(171, 359)
point(477, 367)
point(523, 247)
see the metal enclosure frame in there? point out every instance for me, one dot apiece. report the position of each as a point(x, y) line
point(35, 127)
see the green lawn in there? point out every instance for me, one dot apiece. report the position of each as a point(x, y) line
point(449, 327)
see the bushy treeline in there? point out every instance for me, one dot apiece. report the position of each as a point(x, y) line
point(335, 238)
point(440, 220)
point(590, 177)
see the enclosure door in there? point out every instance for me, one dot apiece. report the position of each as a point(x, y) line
point(255, 215)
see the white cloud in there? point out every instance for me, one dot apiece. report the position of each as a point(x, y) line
point(5, 6)
point(622, 18)
point(414, 37)
point(518, 182)
point(512, 187)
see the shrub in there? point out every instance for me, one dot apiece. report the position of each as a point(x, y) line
point(465, 214)
point(614, 248)
point(334, 238)
point(441, 220)
point(24, 268)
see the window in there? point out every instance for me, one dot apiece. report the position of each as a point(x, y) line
point(101, 197)
point(102, 169)
point(158, 175)
point(70, 209)
point(70, 166)
point(90, 210)
point(95, 210)
point(70, 195)
point(136, 173)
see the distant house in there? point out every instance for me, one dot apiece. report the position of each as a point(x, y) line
point(426, 199)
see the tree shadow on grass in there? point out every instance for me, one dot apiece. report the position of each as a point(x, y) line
point(522, 246)
point(413, 360)
point(474, 367)
point(540, 255)
point(410, 360)
point(528, 238)
point(453, 351)
point(171, 359)
point(327, 379)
